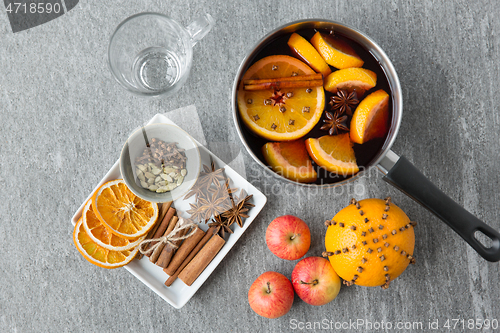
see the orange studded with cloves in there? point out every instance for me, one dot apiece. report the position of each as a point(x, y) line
point(370, 242)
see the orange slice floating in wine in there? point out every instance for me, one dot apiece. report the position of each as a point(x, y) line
point(280, 115)
point(305, 51)
point(351, 79)
point(334, 153)
point(336, 52)
point(371, 118)
point(290, 159)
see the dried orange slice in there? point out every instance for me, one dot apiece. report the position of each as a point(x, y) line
point(334, 153)
point(351, 79)
point(371, 118)
point(281, 115)
point(290, 159)
point(101, 235)
point(336, 52)
point(305, 51)
point(98, 255)
point(122, 212)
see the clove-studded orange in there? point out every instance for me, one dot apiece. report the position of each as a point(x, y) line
point(370, 242)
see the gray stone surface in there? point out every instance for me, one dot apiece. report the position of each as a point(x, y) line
point(64, 120)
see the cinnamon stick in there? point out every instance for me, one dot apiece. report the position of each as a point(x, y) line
point(182, 252)
point(161, 229)
point(201, 260)
point(309, 77)
point(168, 250)
point(154, 256)
point(191, 255)
point(163, 210)
point(284, 84)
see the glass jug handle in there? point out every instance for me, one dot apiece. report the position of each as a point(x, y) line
point(200, 27)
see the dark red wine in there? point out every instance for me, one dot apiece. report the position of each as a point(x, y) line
point(366, 152)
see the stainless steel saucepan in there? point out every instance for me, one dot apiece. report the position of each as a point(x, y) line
point(398, 171)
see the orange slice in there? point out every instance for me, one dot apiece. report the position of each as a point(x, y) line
point(336, 52)
point(98, 255)
point(305, 51)
point(351, 79)
point(122, 212)
point(334, 153)
point(101, 235)
point(371, 118)
point(290, 159)
point(301, 108)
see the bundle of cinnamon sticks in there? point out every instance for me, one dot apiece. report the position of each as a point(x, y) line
point(187, 258)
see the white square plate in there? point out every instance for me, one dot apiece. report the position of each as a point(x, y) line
point(178, 294)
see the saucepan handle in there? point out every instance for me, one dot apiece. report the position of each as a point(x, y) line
point(403, 175)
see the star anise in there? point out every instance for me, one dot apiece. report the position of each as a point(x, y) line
point(196, 190)
point(221, 225)
point(334, 123)
point(225, 188)
point(213, 203)
point(197, 211)
point(211, 175)
point(238, 210)
point(344, 102)
point(245, 198)
point(278, 98)
point(224, 193)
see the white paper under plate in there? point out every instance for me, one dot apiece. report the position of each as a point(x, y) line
point(178, 294)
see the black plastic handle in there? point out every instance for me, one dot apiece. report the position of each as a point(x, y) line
point(404, 176)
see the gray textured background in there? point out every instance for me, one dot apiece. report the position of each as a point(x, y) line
point(64, 120)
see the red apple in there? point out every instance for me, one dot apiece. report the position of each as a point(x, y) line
point(315, 281)
point(288, 237)
point(271, 295)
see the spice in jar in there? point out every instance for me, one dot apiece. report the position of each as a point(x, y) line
point(162, 166)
